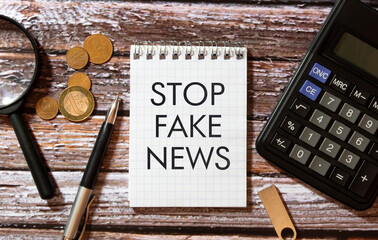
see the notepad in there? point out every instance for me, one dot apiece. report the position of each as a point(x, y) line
point(187, 126)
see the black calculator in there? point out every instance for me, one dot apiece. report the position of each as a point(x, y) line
point(324, 128)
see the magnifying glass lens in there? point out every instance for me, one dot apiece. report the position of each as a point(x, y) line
point(18, 70)
point(17, 63)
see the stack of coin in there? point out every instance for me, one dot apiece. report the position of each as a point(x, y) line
point(76, 103)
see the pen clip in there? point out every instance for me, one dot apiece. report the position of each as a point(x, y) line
point(84, 220)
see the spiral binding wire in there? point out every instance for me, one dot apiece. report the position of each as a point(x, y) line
point(187, 49)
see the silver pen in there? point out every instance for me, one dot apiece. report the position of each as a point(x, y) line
point(79, 212)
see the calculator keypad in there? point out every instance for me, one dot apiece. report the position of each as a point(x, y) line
point(369, 124)
point(300, 154)
point(374, 151)
point(349, 113)
point(291, 126)
point(374, 105)
point(332, 126)
point(330, 148)
point(359, 141)
point(339, 130)
point(330, 101)
point(340, 177)
point(310, 137)
point(320, 165)
point(364, 178)
point(340, 84)
point(320, 119)
point(349, 159)
point(300, 108)
point(359, 95)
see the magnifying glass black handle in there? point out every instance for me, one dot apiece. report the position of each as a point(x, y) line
point(38, 169)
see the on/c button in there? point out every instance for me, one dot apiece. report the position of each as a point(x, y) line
point(310, 90)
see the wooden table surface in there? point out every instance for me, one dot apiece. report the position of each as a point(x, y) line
point(277, 34)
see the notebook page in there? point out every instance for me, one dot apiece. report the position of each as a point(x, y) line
point(187, 129)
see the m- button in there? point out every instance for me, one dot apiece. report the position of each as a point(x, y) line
point(359, 95)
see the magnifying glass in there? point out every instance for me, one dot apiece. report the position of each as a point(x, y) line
point(18, 70)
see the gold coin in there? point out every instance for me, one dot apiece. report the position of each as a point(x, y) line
point(77, 57)
point(46, 108)
point(99, 48)
point(79, 79)
point(76, 103)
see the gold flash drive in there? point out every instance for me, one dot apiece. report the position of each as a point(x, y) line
point(277, 212)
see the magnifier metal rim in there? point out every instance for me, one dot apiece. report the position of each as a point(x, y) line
point(35, 47)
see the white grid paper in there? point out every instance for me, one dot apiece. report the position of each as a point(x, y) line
point(198, 187)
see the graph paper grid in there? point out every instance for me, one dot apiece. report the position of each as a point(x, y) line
point(178, 183)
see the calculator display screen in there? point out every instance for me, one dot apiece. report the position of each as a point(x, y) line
point(357, 53)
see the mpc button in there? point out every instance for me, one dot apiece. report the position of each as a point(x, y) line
point(320, 73)
point(310, 90)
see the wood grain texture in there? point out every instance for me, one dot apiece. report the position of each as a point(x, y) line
point(277, 34)
point(266, 31)
point(310, 210)
point(52, 234)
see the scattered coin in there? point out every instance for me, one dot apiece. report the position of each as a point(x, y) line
point(99, 48)
point(76, 103)
point(77, 57)
point(47, 108)
point(79, 79)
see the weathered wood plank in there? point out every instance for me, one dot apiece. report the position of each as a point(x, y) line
point(266, 79)
point(67, 146)
point(301, 3)
point(280, 30)
point(53, 234)
point(267, 31)
point(310, 210)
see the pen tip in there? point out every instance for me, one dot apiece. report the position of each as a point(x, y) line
point(113, 110)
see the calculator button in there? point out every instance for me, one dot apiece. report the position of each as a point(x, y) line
point(339, 130)
point(320, 119)
point(374, 105)
point(340, 84)
point(300, 154)
point(359, 95)
point(320, 72)
point(300, 108)
point(330, 148)
point(349, 159)
point(309, 136)
point(364, 179)
point(374, 151)
point(290, 125)
point(369, 124)
point(330, 101)
point(359, 141)
point(320, 165)
point(339, 176)
point(310, 90)
point(280, 143)
point(349, 113)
